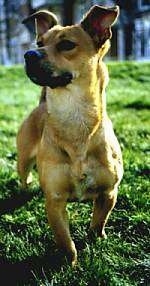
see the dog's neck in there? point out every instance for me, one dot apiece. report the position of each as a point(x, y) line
point(77, 110)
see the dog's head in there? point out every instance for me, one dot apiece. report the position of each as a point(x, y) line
point(63, 52)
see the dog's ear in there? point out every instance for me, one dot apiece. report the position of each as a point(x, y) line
point(43, 21)
point(98, 21)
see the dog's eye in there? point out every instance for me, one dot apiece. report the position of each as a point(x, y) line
point(65, 45)
point(40, 44)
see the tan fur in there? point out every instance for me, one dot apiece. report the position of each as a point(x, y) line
point(71, 137)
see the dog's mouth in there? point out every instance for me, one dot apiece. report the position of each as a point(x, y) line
point(41, 72)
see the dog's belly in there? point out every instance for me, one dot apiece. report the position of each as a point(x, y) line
point(77, 195)
point(91, 181)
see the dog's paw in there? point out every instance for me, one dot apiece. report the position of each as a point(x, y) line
point(70, 253)
point(92, 235)
point(95, 233)
point(29, 179)
point(73, 255)
point(103, 234)
point(26, 181)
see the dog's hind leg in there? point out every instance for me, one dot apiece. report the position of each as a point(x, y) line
point(26, 149)
point(28, 138)
point(24, 166)
point(103, 206)
point(26, 156)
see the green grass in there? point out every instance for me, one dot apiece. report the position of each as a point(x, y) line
point(28, 255)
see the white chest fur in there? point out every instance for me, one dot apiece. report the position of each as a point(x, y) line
point(72, 113)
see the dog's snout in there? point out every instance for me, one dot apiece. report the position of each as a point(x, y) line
point(43, 72)
point(33, 54)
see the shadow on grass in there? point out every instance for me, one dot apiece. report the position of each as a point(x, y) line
point(139, 105)
point(16, 201)
point(16, 197)
point(26, 271)
point(34, 269)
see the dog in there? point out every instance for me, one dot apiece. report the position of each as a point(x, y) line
point(69, 135)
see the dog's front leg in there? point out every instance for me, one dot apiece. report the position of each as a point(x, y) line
point(103, 206)
point(58, 220)
point(54, 179)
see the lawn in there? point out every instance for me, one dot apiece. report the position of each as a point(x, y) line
point(28, 254)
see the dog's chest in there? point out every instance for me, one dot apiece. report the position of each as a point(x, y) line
point(72, 118)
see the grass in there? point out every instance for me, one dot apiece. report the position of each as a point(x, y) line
point(28, 255)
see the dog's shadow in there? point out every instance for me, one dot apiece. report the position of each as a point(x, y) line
point(30, 270)
point(8, 205)
point(16, 198)
point(35, 268)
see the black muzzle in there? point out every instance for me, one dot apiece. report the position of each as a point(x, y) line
point(41, 72)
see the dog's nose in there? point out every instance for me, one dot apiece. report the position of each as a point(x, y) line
point(34, 55)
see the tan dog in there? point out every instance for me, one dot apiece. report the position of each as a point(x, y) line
point(70, 135)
